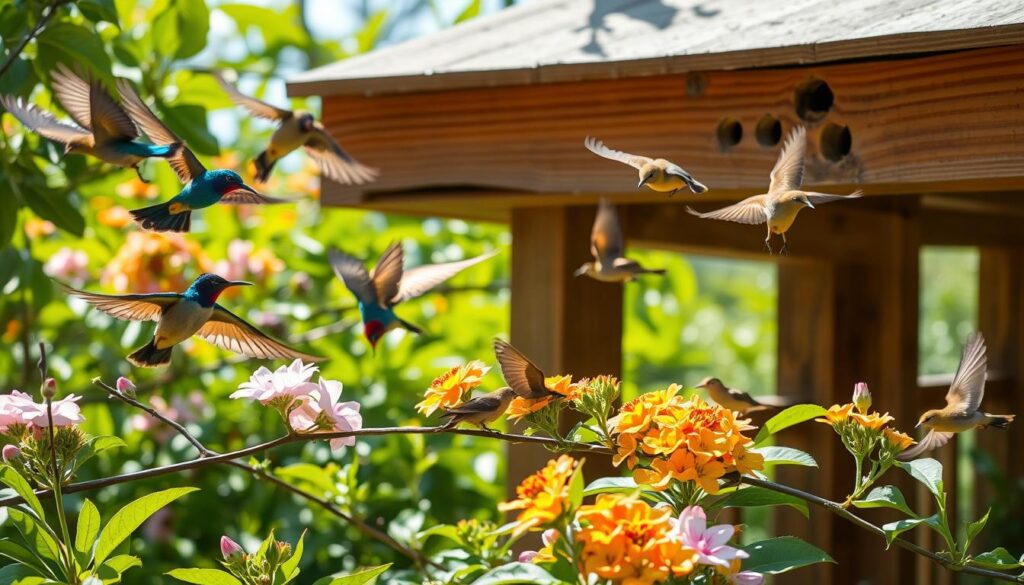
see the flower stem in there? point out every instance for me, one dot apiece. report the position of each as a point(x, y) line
point(55, 483)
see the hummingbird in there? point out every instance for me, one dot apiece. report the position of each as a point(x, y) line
point(390, 284)
point(104, 130)
point(299, 128)
point(733, 399)
point(182, 315)
point(202, 187)
point(525, 378)
point(784, 199)
point(480, 410)
point(657, 174)
point(609, 264)
point(962, 402)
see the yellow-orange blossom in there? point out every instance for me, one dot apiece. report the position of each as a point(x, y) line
point(542, 497)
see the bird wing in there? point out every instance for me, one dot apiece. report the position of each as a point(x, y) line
point(333, 161)
point(416, 281)
point(44, 124)
point(184, 162)
point(789, 169)
point(606, 236)
point(968, 387)
point(597, 147)
point(743, 397)
point(749, 211)
point(229, 331)
point(73, 91)
point(526, 379)
point(819, 198)
point(92, 106)
point(387, 274)
point(258, 108)
point(247, 197)
point(485, 403)
point(352, 272)
point(933, 440)
point(138, 307)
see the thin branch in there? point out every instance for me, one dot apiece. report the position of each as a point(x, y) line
point(203, 451)
point(50, 11)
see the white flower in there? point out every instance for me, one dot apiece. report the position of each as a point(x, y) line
point(322, 410)
point(65, 413)
point(292, 381)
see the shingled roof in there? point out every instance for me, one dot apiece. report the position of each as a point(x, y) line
point(567, 40)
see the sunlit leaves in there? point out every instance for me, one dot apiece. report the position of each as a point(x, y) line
point(782, 554)
point(888, 496)
point(180, 27)
point(787, 418)
point(204, 576)
point(71, 44)
point(927, 471)
point(363, 577)
point(127, 519)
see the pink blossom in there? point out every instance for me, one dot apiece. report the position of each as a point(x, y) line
point(291, 380)
point(549, 536)
point(65, 413)
point(237, 263)
point(747, 578)
point(125, 386)
point(68, 264)
point(336, 416)
point(10, 452)
point(11, 408)
point(527, 556)
point(710, 543)
point(862, 397)
point(229, 548)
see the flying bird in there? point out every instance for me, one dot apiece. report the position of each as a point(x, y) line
point(525, 379)
point(784, 199)
point(733, 399)
point(299, 128)
point(480, 410)
point(104, 130)
point(657, 174)
point(202, 187)
point(390, 284)
point(609, 264)
point(182, 315)
point(962, 402)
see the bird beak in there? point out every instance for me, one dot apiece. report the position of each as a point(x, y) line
point(917, 426)
point(239, 283)
point(641, 183)
point(809, 204)
point(580, 271)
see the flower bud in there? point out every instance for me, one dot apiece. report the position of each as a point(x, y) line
point(10, 452)
point(527, 556)
point(549, 537)
point(49, 388)
point(862, 397)
point(229, 548)
point(126, 386)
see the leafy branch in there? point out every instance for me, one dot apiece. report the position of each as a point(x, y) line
point(43, 19)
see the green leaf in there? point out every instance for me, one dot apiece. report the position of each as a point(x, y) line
point(368, 36)
point(98, 10)
point(290, 568)
point(894, 529)
point(999, 559)
point(88, 527)
point(782, 554)
point(927, 471)
point(576, 488)
point(975, 528)
point(516, 573)
point(15, 573)
point(776, 455)
point(115, 566)
point(56, 207)
point(127, 519)
point(63, 42)
point(10, 265)
point(20, 485)
point(791, 416)
point(757, 497)
point(189, 121)
point(204, 576)
point(443, 530)
point(8, 218)
point(470, 11)
point(888, 496)
point(610, 485)
point(36, 536)
point(276, 28)
point(358, 578)
point(180, 28)
point(20, 554)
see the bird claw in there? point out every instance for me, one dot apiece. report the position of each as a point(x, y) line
point(768, 246)
point(785, 250)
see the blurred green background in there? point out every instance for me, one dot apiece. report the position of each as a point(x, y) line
point(67, 219)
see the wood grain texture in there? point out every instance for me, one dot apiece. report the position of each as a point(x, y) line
point(948, 123)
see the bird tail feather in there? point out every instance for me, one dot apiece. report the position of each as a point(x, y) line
point(695, 185)
point(410, 327)
point(148, 356)
point(263, 166)
point(1000, 421)
point(160, 219)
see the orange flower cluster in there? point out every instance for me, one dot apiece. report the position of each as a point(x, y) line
point(563, 385)
point(686, 439)
point(155, 262)
point(626, 540)
point(898, 440)
point(134, 188)
point(450, 388)
point(839, 414)
point(543, 496)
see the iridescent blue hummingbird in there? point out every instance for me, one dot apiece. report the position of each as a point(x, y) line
point(105, 131)
point(390, 284)
point(202, 188)
point(182, 315)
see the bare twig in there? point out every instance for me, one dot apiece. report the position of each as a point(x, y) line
point(43, 19)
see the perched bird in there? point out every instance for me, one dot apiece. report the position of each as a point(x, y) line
point(105, 131)
point(784, 199)
point(390, 284)
point(962, 402)
point(295, 129)
point(731, 398)
point(480, 410)
point(525, 379)
point(182, 315)
point(202, 188)
point(609, 264)
point(657, 174)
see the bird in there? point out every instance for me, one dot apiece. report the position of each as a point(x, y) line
point(299, 128)
point(962, 402)
point(784, 199)
point(103, 129)
point(526, 379)
point(182, 315)
point(609, 264)
point(390, 284)
point(657, 174)
point(480, 410)
point(202, 187)
point(733, 399)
